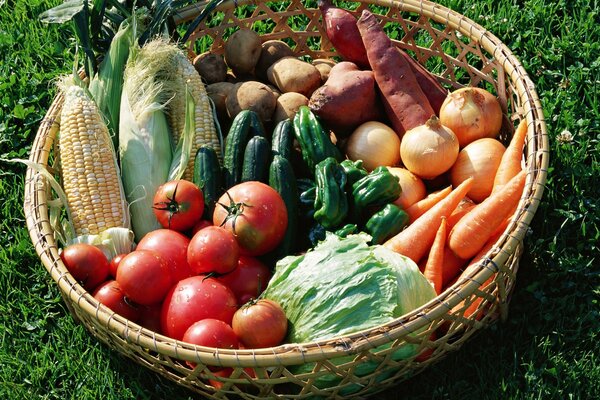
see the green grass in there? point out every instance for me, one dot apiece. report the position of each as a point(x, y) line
point(547, 349)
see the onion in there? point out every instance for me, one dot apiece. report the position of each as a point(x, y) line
point(472, 113)
point(429, 150)
point(412, 187)
point(375, 144)
point(479, 159)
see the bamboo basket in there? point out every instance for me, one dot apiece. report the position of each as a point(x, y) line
point(362, 363)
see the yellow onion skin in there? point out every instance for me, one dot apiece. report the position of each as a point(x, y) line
point(472, 113)
point(479, 159)
point(429, 150)
point(413, 187)
point(375, 144)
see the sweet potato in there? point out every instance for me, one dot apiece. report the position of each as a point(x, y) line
point(347, 99)
point(403, 99)
point(341, 30)
point(435, 92)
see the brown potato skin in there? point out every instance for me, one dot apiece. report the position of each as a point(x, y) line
point(251, 95)
point(290, 74)
point(218, 92)
point(271, 51)
point(287, 106)
point(242, 51)
point(211, 67)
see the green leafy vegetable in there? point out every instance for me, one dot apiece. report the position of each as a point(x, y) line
point(343, 286)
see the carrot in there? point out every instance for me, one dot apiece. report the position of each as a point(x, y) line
point(475, 228)
point(470, 310)
point(434, 268)
point(417, 238)
point(435, 92)
point(403, 99)
point(510, 163)
point(417, 209)
point(463, 207)
point(453, 264)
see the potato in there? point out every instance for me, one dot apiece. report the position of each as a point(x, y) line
point(251, 95)
point(287, 106)
point(218, 92)
point(324, 66)
point(271, 51)
point(291, 74)
point(242, 51)
point(211, 67)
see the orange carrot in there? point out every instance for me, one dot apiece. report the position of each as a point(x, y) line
point(463, 207)
point(434, 268)
point(453, 264)
point(510, 164)
point(470, 310)
point(474, 229)
point(417, 238)
point(417, 209)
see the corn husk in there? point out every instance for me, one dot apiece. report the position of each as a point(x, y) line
point(144, 139)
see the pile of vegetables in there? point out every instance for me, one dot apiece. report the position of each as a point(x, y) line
point(268, 199)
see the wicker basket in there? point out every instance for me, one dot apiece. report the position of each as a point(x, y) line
point(434, 35)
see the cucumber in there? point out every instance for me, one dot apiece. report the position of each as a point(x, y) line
point(257, 156)
point(283, 180)
point(244, 126)
point(283, 139)
point(208, 177)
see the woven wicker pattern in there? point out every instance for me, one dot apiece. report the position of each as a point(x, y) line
point(465, 53)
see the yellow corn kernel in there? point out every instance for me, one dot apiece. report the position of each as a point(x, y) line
point(90, 175)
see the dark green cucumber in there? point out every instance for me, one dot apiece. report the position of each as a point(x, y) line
point(283, 139)
point(208, 177)
point(257, 157)
point(315, 142)
point(243, 128)
point(283, 180)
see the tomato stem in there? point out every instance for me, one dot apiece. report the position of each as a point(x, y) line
point(234, 210)
point(172, 206)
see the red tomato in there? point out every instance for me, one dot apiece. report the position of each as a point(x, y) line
point(256, 215)
point(193, 299)
point(114, 264)
point(150, 317)
point(111, 295)
point(144, 276)
point(211, 332)
point(173, 247)
point(260, 324)
point(213, 249)
point(200, 225)
point(178, 205)
point(87, 263)
point(248, 280)
point(226, 373)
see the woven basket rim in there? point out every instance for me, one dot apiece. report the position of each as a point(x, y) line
point(298, 353)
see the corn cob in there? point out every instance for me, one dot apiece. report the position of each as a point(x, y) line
point(205, 132)
point(90, 173)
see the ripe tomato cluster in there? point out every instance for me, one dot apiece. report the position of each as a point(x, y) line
point(196, 279)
